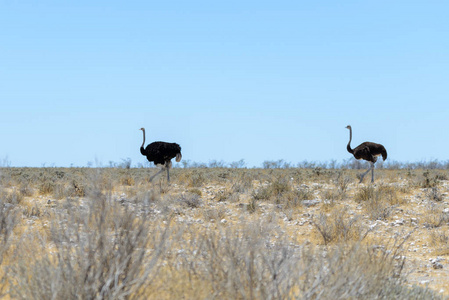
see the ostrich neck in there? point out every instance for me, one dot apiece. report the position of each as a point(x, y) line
point(143, 143)
point(349, 143)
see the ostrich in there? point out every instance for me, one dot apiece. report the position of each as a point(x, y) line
point(161, 153)
point(367, 151)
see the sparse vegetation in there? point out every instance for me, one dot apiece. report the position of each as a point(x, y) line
point(435, 216)
point(379, 201)
point(339, 227)
point(221, 233)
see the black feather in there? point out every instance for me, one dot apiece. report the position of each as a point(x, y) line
point(161, 152)
point(369, 151)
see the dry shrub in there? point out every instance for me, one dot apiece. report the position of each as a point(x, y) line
point(263, 193)
point(339, 227)
point(275, 189)
point(390, 194)
point(46, 187)
point(331, 196)
point(239, 264)
point(216, 213)
point(357, 272)
point(294, 198)
point(242, 184)
point(365, 193)
point(192, 178)
point(60, 191)
point(196, 191)
point(190, 200)
point(281, 191)
point(25, 190)
point(252, 205)
point(100, 252)
point(32, 211)
point(224, 195)
point(146, 197)
point(440, 238)
point(430, 179)
point(127, 181)
point(280, 186)
point(9, 218)
point(303, 193)
point(379, 202)
point(434, 194)
point(259, 262)
point(107, 180)
point(435, 216)
point(341, 183)
point(14, 198)
point(77, 189)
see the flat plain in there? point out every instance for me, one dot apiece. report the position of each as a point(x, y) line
point(223, 233)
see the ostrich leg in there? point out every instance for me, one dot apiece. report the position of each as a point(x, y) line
point(152, 177)
point(371, 168)
point(168, 166)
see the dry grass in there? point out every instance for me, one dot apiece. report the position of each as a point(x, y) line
point(218, 233)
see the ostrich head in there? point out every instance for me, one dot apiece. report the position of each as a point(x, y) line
point(143, 129)
point(348, 127)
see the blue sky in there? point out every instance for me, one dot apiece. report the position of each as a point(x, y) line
point(227, 80)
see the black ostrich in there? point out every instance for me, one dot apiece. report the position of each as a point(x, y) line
point(161, 153)
point(367, 151)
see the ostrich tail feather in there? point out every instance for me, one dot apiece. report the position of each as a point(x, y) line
point(384, 154)
point(178, 157)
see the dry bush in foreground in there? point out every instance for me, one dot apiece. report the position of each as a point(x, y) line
point(9, 218)
point(259, 262)
point(98, 250)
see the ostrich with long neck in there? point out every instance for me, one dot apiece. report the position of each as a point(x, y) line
point(161, 154)
point(367, 151)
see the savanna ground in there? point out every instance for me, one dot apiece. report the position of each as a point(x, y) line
point(221, 233)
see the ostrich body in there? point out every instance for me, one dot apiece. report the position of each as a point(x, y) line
point(161, 153)
point(367, 151)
